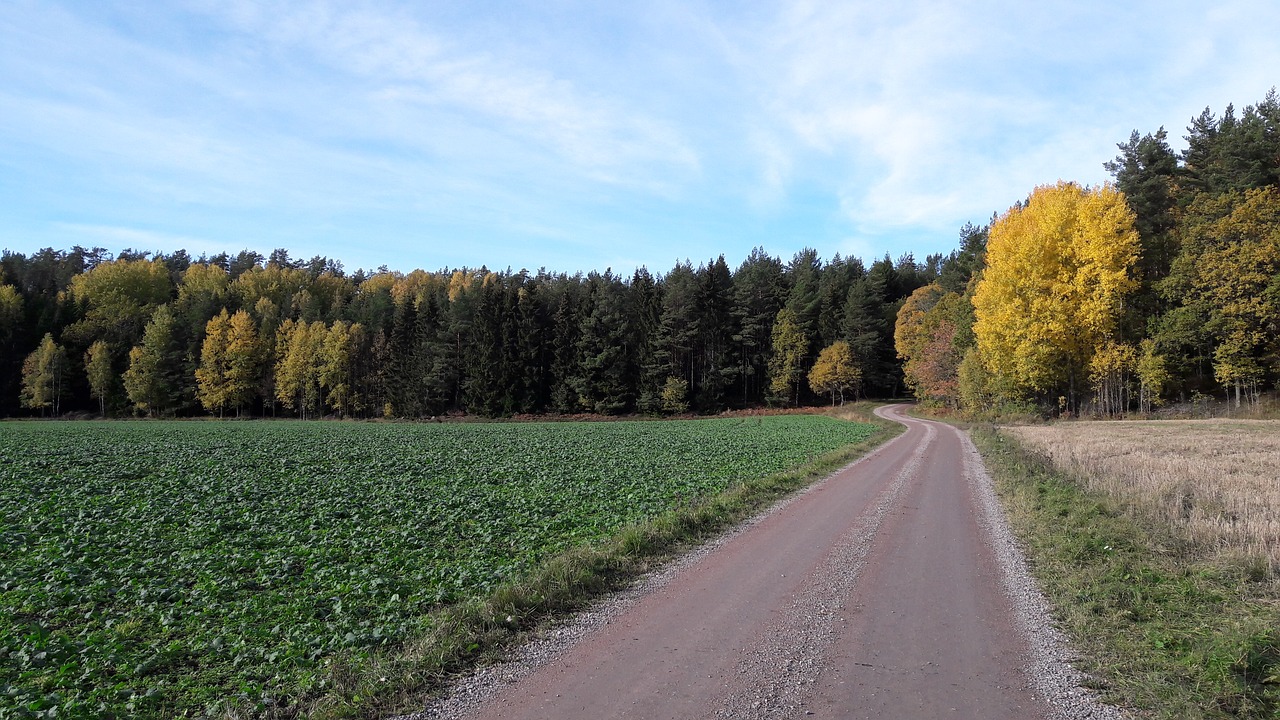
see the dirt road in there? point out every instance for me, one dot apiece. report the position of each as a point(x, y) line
point(876, 594)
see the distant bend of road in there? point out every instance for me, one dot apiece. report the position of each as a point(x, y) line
point(888, 590)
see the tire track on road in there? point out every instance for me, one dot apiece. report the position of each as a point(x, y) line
point(776, 675)
point(890, 589)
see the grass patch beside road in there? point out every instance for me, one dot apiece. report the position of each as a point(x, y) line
point(1165, 628)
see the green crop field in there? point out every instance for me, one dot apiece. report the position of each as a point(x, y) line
point(165, 569)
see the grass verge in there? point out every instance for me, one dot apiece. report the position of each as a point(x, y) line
point(478, 631)
point(1161, 630)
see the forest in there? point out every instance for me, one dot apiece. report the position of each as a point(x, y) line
point(170, 335)
point(1164, 286)
point(1161, 286)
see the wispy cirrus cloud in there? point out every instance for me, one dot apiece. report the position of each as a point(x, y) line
point(924, 114)
point(391, 66)
point(578, 135)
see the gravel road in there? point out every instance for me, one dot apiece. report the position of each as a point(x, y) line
point(892, 589)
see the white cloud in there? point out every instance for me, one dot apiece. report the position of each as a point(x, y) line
point(670, 129)
point(922, 114)
point(392, 58)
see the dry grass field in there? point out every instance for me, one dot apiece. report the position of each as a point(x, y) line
point(1216, 482)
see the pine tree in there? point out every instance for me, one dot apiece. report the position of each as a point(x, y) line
point(531, 346)
point(605, 349)
point(565, 361)
point(487, 390)
point(833, 291)
point(408, 360)
point(865, 328)
point(758, 292)
point(715, 367)
point(671, 351)
point(804, 298)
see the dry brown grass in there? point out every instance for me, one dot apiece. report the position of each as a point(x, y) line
point(1216, 482)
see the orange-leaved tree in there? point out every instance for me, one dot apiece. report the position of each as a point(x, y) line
point(925, 337)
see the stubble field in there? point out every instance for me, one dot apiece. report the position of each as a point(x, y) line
point(1156, 543)
point(162, 569)
point(1214, 482)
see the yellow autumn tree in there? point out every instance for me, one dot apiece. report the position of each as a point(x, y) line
point(1227, 277)
point(835, 372)
point(118, 298)
point(299, 363)
point(1058, 271)
point(101, 376)
point(1236, 367)
point(44, 376)
point(785, 365)
point(675, 396)
point(230, 362)
point(463, 281)
point(909, 332)
point(336, 367)
point(1153, 375)
point(153, 380)
point(245, 354)
point(1109, 371)
point(277, 284)
point(211, 376)
point(925, 336)
point(10, 310)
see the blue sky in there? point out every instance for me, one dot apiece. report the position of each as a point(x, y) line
point(583, 135)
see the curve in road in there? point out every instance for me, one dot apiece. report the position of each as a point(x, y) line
point(888, 590)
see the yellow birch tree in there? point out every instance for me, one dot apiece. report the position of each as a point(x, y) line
point(97, 368)
point(244, 359)
point(1058, 271)
point(835, 372)
point(785, 368)
point(299, 348)
point(44, 376)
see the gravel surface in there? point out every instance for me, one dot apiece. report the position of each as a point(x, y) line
point(470, 691)
point(778, 670)
point(776, 675)
point(1048, 662)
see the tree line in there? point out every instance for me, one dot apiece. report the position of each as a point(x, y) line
point(1162, 286)
point(172, 335)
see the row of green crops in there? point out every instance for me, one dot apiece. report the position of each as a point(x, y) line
point(170, 568)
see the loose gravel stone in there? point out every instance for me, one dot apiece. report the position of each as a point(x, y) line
point(467, 692)
point(777, 672)
point(1048, 662)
